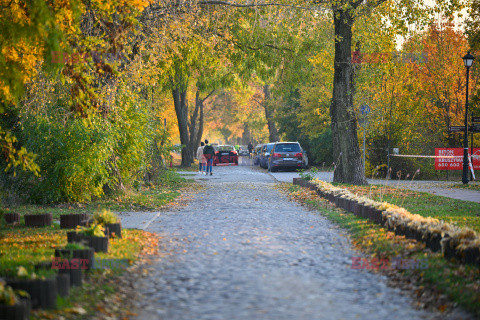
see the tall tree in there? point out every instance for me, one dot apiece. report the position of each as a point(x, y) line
point(442, 78)
point(472, 27)
point(267, 105)
point(53, 35)
point(198, 118)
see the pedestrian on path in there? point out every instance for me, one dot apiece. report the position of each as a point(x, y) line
point(250, 150)
point(209, 153)
point(202, 162)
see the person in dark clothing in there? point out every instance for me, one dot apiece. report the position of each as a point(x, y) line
point(250, 150)
point(209, 153)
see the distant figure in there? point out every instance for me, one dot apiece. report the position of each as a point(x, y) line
point(250, 150)
point(202, 162)
point(209, 153)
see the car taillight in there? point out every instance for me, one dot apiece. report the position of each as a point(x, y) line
point(234, 152)
point(276, 155)
point(299, 155)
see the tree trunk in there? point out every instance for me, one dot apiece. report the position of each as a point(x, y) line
point(199, 135)
point(196, 135)
point(246, 136)
point(193, 125)
point(348, 161)
point(181, 109)
point(272, 129)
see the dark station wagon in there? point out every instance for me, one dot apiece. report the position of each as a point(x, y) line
point(287, 155)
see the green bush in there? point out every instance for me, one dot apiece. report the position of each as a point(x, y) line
point(105, 216)
point(75, 246)
point(93, 230)
point(81, 158)
point(72, 158)
point(8, 296)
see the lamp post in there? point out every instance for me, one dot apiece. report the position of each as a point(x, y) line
point(468, 61)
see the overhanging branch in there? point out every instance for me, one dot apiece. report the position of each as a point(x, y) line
point(250, 5)
point(366, 8)
point(208, 95)
point(164, 9)
point(245, 47)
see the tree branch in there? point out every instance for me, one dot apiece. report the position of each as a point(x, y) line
point(244, 48)
point(208, 95)
point(155, 8)
point(367, 7)
point(257, 101)
point(239, 5)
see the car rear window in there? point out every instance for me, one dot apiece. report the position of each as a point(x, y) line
point(224, 148)
point(269, 147)
point(287, 147)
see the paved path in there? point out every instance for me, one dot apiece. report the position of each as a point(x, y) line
point(242, 250)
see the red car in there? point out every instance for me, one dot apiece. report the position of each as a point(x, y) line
point(225, 155)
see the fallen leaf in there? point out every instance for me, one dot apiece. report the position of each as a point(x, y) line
point(76, 310)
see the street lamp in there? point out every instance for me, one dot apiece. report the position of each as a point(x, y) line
point(468, 60)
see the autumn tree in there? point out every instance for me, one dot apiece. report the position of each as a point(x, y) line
point(442, 79)
point(30, 31)
point(472, 27)
point(192, 63)
point(414, 94)
point(89, 120)
point(56, 36)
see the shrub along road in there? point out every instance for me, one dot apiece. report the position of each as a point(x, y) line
point(241, 250)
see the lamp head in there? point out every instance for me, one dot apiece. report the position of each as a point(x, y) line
point(468, 60)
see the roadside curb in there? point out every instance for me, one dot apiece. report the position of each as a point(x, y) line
point(271, 175)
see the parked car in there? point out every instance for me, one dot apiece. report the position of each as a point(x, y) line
point(265, 155)
point(243, 151)
point(225, 154)
point(257, 152)
point(287, 155)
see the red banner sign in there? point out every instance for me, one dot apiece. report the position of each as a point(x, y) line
point(452, 158)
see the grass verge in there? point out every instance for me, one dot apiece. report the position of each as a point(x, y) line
point(472, 185)
point(102, 293)
point(438, 284)
point(459, 212)
point(106, 293)
point(150, 197)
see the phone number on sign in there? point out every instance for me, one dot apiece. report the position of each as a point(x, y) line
point(450, 164)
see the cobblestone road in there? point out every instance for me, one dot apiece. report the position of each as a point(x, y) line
point(241, 250)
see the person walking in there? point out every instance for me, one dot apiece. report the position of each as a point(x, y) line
point(202, 162)
point(250, 150)
point(209, 153)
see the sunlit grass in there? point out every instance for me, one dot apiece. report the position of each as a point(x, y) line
point(146, 198)
point(460, 212)
point(22, 246)
point(472, 185)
